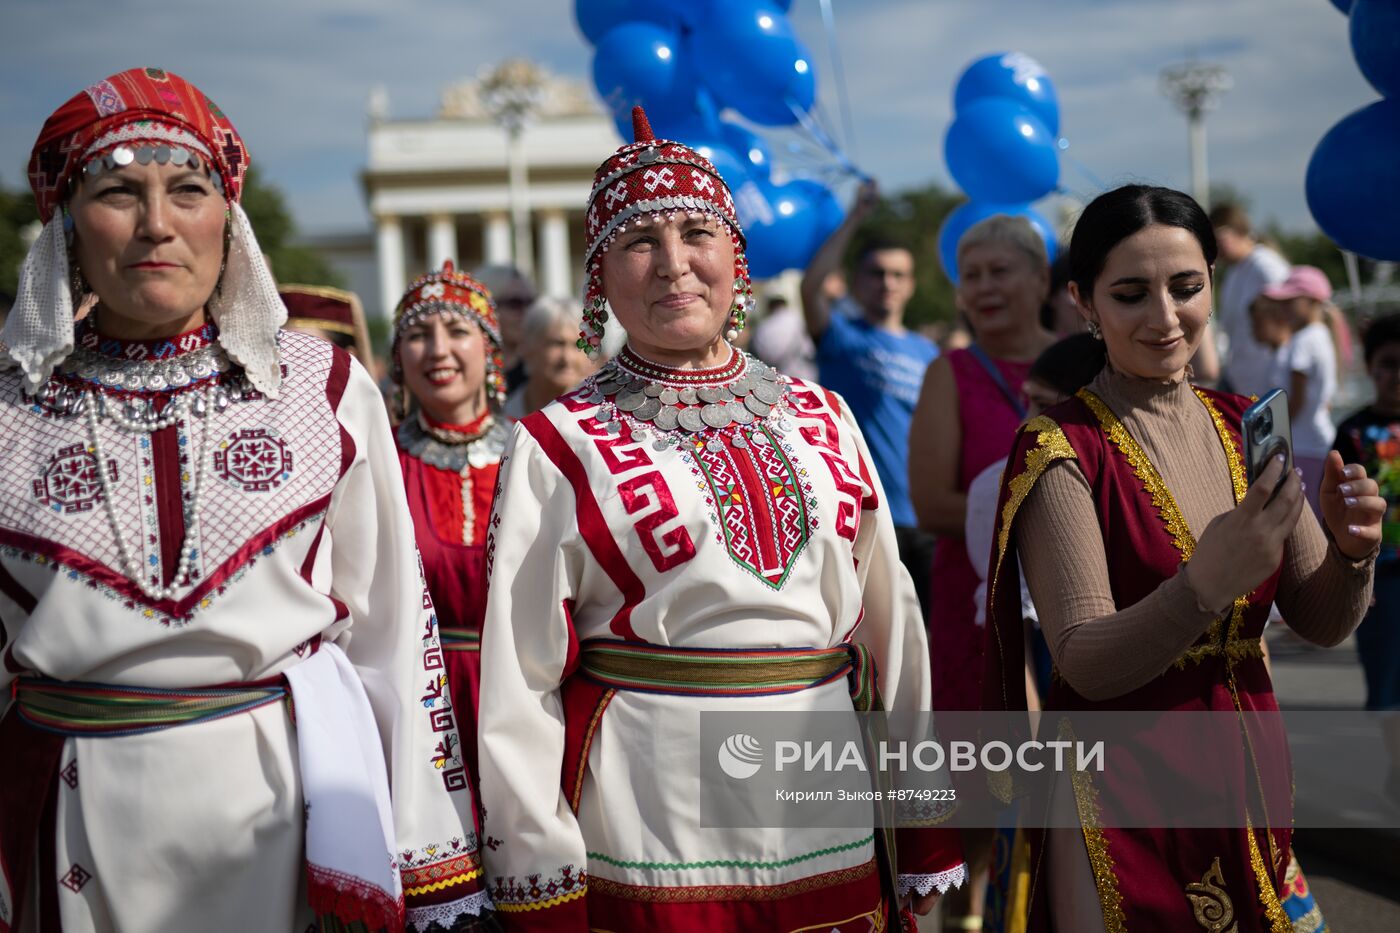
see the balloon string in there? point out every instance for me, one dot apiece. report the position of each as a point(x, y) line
point(834, 52)
point(820, 135)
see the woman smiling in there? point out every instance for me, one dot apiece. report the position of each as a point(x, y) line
point(1153, 567)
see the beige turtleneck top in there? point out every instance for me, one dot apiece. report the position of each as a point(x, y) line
point(1103, 651)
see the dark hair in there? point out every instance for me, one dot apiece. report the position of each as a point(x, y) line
point(1070, 364)
point(1114, 216)
point(1232, 216)
point(1382, 331)
point(878, 244)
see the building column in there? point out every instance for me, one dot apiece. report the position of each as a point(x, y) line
point(442, 240)
point(389, 251)
point(555, 277)
point(497, 239)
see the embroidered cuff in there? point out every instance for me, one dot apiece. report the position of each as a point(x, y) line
point(922, 884)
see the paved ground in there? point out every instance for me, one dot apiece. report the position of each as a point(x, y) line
point(1351, 858)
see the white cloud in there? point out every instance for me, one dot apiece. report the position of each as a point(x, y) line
point(295, 76)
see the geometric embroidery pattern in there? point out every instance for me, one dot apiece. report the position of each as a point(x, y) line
point(764, 503)
point(254, 459)
point(70, 483)
point(70, 774)
point(75, 879)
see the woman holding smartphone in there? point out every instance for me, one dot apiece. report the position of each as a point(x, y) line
point(1153, 566)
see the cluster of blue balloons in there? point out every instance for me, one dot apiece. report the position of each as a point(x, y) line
point(1002, 147)
point(1353, 181)
point(684, 61)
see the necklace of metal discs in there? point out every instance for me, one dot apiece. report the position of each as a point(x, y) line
point(743, 402)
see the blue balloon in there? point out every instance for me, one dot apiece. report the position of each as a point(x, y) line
point(750, 147)
point(999, 151)
point(596, 17)
point(1013, 75)
point(642, 63)
point(1375, 41)
point(753, 62)
point(1343, 5)
point(964, 216)
point(785, 225)
point(1352, 186)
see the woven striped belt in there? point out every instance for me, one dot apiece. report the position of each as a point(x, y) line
point(459, 639)
point(84, 709)
point(731, 672)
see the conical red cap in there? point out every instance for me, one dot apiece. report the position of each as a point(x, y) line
point(641, 127)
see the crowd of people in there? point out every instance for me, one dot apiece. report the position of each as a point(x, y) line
point(285, 653)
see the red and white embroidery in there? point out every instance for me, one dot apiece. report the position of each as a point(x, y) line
point(70, 482)
point(253, 459)
point(76, 877)
point(763, 503)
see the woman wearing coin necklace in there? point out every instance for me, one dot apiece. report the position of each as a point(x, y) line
point(203, 525)
point(686, 514)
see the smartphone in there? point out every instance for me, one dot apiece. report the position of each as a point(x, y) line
point(1267, 432)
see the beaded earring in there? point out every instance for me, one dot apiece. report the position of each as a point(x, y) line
point(743, 297)
point(1095, 331)
point(595, 318)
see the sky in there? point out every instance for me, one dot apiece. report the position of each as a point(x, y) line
point(295, 75)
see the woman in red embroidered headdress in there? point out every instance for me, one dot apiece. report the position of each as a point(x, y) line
point(447, 366)
point(203, 528)
point(1152, 568)
point(688, 529)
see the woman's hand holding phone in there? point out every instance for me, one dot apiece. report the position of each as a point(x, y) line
point(1352, 507)
point(1241, 548)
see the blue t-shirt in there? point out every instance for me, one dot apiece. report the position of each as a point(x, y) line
point(879, 374)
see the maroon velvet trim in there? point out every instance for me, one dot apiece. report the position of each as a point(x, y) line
point(118, 581)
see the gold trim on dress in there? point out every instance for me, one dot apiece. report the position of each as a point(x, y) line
point(1086, 800)
point(1211, 904)
point(1051, 445)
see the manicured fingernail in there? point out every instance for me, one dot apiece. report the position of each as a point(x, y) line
point(1278, 458)
point(1352, 471)
point(1355, 530)
point(1350, 501)
point(1345, 489)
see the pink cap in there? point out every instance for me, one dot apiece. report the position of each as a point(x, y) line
point(1303, 281)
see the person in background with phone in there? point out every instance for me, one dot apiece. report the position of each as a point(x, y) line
point(1372, 437)
point(1153, 568)
point(1290, 317)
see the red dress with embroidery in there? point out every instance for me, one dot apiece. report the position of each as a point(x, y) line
point(1151, 878)
point(449, 474)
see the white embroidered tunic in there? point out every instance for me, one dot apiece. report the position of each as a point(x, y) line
point(301, 537)
point(604, 527)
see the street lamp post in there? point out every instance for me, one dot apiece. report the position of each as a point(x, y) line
point(512, 92)
point(1195, 87)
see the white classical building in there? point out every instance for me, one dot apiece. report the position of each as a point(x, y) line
point(441, 187)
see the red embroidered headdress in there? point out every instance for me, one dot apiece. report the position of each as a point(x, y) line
point(141, 115)
point(448, 291)
point(657, 177)
point(332, 310)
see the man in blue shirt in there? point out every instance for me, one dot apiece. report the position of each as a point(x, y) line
point(874, 363)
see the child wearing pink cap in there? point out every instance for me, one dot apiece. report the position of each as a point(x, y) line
point(1291, 315)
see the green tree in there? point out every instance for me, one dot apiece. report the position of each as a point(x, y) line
point(272, 222)
point(16, 212)
point(913, 217)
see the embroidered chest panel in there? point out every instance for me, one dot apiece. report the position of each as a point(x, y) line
point(271, 466)
point(759, 499)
